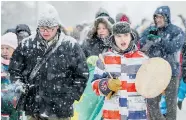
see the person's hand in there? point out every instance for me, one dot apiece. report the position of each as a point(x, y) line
point(114, 84)
point(21, 87)
point(110, 95)
point(109, 87)
point(153, 35)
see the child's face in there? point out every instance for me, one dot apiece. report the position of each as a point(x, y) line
point(122, 40)
point(6, 52)
point(102, 31)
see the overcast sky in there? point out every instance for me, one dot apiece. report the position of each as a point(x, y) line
point(72, 13)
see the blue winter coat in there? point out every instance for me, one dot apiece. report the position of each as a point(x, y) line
point(172, 40)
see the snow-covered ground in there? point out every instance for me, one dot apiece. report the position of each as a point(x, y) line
point(181, 114)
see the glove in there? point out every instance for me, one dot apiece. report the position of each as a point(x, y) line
point(21, 87)
point(110, 95)
point(147, 46)
point(153, 31)
point(153, 35)
point(179, 105)
point(114, 84)
point(109, 86)
point(92, 60)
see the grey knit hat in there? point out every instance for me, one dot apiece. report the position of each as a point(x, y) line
point(49, 17)
point(121, 28)
point(102, 13)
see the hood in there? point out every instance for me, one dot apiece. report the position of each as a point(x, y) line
point(23, 27)
point(93, 32)
point(101, 13)
point(164, 11)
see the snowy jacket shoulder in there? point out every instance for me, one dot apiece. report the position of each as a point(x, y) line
point(124, 67)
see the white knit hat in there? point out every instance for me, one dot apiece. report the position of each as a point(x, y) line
point(9, 39)
point(49, 17)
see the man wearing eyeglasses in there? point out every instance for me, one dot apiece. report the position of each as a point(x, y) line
point(59, 81)
point(164, 40)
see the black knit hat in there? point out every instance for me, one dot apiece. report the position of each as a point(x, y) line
point(121, 28)
point(23, 27)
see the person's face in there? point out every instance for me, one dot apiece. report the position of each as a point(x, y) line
point(6, 52)
point(160, 21)
point(102, 31)
point(48, 33)
point(122, 40)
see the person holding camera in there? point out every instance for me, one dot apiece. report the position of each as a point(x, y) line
point(164, 40)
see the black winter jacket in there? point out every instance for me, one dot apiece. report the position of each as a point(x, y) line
point(60, 81)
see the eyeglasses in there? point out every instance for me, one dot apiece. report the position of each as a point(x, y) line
point(48, 29)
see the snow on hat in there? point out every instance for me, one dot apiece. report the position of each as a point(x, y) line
point(49, 17)
point(101, 13)
point(122, 17)
point(121, 28)
point(9, 39)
